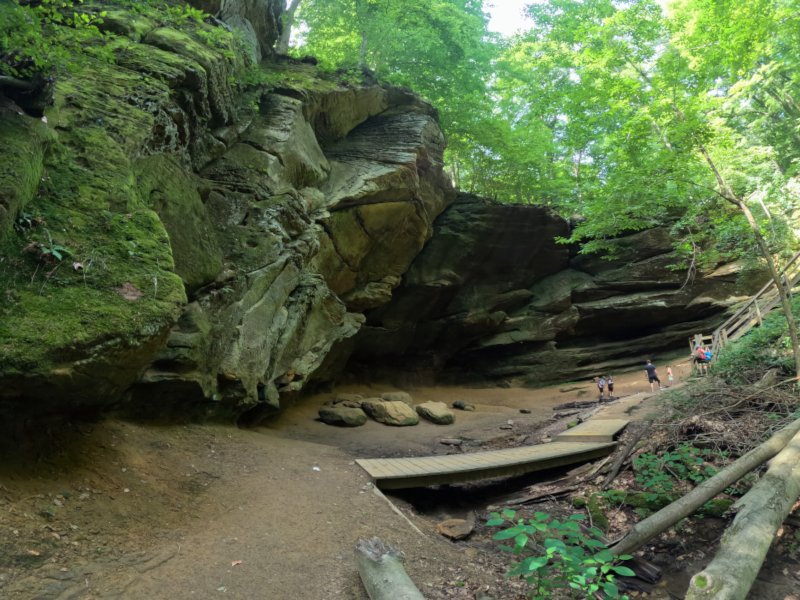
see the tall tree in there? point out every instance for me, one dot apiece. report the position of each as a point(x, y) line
point(653, 132)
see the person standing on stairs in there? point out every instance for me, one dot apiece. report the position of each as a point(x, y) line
point(610, 385)
point(652, 376)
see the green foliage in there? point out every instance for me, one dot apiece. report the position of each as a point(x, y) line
point(559, 555)
point(763, 348)
point(658, 473)
point(54, 36)
point(48, 36)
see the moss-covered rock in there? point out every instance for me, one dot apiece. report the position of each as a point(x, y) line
point(173, 194)
point(162, 176)
point(23, 140)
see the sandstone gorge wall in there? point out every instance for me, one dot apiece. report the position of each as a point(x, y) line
point(173, 241)
point(494, 298)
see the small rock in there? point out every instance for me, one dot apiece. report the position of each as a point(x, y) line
point(398, 397)
point(525, 411)
point(451, 441)
point(461, 405)
point(343, 416)
point(456, 529)
point(506, 427)
point(436, 412)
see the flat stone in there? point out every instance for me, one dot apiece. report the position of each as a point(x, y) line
point(398, 414)
point(436, 412)
point(456, 529)
point(343, 416)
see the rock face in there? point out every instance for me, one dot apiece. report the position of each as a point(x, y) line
point(493, 297)
point(258, 20)
point(171, 240)
point(187, 245)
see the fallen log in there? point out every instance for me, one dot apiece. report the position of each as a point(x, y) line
point(761, 512)
point(686, 505)
point(381, 569)
point(624, 453)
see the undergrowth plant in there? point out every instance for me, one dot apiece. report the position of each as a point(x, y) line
point(658, 473)
point(559, 557)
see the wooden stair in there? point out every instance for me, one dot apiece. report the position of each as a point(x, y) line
point(752, 313)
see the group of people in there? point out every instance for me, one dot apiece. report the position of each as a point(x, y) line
point(605, 382)
point(702, 357)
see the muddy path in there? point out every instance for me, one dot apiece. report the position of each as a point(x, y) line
point(130, 510)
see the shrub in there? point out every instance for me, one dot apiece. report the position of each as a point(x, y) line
point(560, 555)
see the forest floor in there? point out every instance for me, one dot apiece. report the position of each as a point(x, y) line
point(119, 509)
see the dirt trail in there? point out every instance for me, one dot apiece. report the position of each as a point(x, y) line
point(125, 510)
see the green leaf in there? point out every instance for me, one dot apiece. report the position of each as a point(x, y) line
point(623, 571)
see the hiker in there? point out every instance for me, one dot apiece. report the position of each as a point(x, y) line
point(652, 376)
point(700, 360)
point(610, 386)
point(670, 378)
point(601, 385)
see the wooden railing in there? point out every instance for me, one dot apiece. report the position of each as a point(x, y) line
point(752, 313)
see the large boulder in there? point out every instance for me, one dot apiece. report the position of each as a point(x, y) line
point(436, 412)
point(343, 416)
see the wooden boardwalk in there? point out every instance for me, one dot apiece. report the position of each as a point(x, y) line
point(399, 473)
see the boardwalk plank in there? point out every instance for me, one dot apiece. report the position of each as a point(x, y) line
point(398, 473)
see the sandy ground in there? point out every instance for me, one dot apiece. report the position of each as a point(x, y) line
point(129, 510)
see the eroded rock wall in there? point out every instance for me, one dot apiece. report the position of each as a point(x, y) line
point(176, 242)
point(494, 298)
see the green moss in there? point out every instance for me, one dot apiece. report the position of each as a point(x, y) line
point(172, 193)
point(23, 141)
point(105, 301)
point(596, 508)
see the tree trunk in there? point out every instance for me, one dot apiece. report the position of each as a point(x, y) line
point(362, 52)
point(745, 543)
point(287, 22)
point(683, 507)
point(381, 570)
point(727, 192)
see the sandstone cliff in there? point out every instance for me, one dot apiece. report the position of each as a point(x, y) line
point(494, 298)
point(175, 239)
point(186, 232)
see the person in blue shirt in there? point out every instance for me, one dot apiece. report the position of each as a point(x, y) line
point(652, 376)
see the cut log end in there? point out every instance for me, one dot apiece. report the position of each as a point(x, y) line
point(376, 550)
